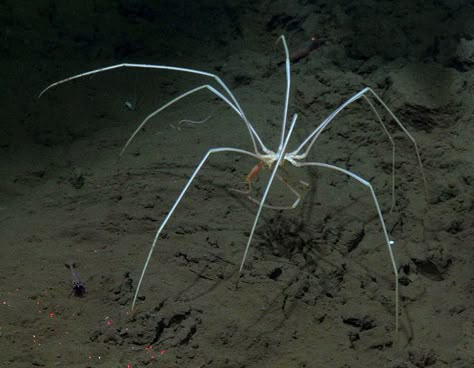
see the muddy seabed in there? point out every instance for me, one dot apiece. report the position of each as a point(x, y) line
point(317, 289)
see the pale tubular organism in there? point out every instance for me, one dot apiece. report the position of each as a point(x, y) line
point(270, 159)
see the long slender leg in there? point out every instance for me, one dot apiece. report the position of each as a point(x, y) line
point(176, 203)
point(392, 142)
point(313, 136)
point(173, 101)
point(248, 180)
point(311, 139)
point(269, 206)
point(280, 157)
point(402, 127)
point(253, 134)
point(290, 186)
point(287, 90)
point(388, 242)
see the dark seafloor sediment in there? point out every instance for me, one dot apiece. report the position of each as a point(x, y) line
point(317, 288)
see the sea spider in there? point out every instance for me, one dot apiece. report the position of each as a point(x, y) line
point(271, 159)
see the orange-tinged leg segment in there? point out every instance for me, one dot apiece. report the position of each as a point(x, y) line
point(248, 180)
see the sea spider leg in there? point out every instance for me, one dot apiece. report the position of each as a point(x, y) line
point(256, 169)
point(285, 179)
point(291, 188)
point(388, 242)
point(248, 180)
point(176, 203)
point(287, 90)
point(392, 142)
point(253, 134)
point(280, 155)
point(176, 99)
point(290, 182)
point(311, 139)
point(279, 158)
point(402, 127)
